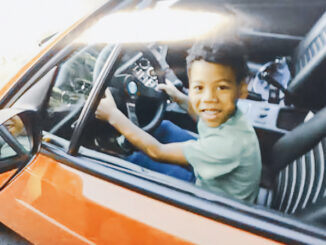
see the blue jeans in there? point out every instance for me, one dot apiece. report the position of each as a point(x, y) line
point(167, 132)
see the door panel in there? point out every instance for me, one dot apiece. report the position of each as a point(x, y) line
point(54, 202)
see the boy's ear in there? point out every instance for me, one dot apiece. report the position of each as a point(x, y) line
point(243, 90)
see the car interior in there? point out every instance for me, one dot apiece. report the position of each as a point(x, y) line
point(296, 160)
point(286, 105)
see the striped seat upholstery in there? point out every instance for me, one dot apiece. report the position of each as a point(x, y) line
point(301, 183)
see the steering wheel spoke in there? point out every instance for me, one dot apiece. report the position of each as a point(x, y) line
point(131, 110)
point(150, 93)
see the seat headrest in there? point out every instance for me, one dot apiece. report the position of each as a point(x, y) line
point(308, 69)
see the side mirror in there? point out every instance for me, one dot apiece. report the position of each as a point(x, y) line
point(20, 137)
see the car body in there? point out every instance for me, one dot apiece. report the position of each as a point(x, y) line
point(63, 176)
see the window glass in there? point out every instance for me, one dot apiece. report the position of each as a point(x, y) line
point(73, 83)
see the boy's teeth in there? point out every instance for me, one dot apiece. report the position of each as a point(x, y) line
point(210, 112)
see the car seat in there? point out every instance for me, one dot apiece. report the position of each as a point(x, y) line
point(295, 180)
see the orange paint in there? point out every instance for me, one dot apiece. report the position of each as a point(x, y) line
point(4, 177)
point(53, 202)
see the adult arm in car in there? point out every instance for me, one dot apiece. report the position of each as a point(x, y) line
point(172, 152)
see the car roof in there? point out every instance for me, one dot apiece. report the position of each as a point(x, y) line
point(291, 17)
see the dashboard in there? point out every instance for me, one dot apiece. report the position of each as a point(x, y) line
point(140, 67)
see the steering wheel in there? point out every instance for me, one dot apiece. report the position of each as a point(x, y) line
point(137, 76)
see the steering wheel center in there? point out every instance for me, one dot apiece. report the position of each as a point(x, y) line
point(132, 88)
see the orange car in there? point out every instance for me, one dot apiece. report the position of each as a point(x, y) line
point(64, 177)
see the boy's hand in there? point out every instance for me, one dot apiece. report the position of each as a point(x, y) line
point(107, 110)
point(170, 89)
point(106, 107)
point(176, 95)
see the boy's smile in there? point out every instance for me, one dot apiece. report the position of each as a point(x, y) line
point(213, 91)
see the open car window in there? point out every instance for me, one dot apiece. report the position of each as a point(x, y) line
point(72, 85)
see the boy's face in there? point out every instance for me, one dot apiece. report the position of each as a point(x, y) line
point(213, 91)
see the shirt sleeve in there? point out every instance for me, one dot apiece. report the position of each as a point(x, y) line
point(211, 157)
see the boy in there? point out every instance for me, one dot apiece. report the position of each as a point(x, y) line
point(226, 155)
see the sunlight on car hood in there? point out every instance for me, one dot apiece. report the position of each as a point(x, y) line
point(157, 25)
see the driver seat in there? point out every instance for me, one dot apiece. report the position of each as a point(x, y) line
point(295, 178)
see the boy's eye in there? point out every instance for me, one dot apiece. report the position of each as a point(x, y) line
point(197, 88)
point(223, 87)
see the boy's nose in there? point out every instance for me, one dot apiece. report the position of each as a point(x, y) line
point(209, 96)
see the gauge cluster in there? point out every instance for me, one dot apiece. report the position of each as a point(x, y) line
point(144, 72)
point(140, 67)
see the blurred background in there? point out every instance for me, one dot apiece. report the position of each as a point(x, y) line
point(25, 23)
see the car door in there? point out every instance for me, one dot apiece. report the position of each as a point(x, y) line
point(62, 199)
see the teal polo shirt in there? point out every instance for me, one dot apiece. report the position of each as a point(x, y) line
point(227, 158)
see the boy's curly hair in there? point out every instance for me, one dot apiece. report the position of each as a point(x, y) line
point(228, 53)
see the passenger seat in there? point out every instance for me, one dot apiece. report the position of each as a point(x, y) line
point(295, 181)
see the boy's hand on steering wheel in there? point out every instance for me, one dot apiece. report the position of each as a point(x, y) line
point(177, 96)
point(106, 107)
point(170, 89)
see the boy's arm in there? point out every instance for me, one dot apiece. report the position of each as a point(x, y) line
point(172, 152)
point(177, 97)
